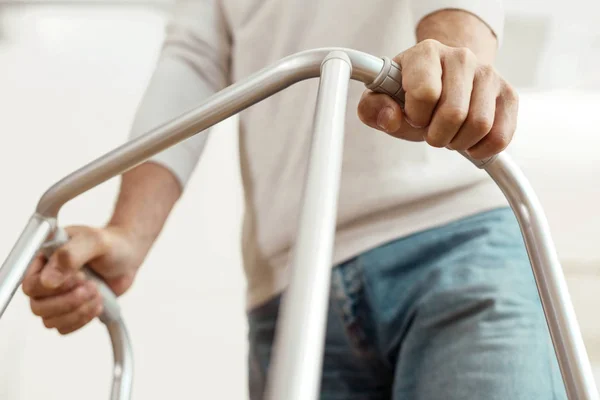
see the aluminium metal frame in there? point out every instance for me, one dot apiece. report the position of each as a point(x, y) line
point(297, 357)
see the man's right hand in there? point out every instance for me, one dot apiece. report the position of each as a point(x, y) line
point(58, 290)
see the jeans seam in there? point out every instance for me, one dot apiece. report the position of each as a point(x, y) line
point(348, 289)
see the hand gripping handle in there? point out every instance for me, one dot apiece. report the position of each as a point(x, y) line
point(389, 81)
point(111, 310)
point(111, 317)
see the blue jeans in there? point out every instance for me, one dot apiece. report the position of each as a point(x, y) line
point(446, 314)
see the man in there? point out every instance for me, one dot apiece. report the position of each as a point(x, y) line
point(432, 295)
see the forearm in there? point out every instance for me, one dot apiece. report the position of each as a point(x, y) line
point(458, 28)
point(149, 191)
point(147, 195)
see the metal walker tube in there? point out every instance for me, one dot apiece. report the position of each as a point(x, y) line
point(298, 351)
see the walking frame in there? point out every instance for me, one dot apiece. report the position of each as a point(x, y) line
point(298, 352)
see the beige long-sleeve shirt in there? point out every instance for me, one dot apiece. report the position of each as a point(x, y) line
point(389, 188)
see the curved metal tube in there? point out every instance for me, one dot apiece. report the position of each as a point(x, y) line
point(566, 336)
point(123, 360)
point(297, 357)
point(111, 318)
point(222, 105)
point(14, 267)
point(552, 287)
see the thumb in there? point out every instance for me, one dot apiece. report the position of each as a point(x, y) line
point(381, 112)
point(85, 245)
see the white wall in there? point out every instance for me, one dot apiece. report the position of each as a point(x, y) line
point(70, 79)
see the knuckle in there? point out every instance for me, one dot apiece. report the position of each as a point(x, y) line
point(481, 125)
point(486, 71)
point(429, 46)
point(47, 324)
point(497, 141)
point(63, 330)
point(453, 115)
point(35, 308)
point(101, 237)
point(457, 144)
point(510, 94)
point(436, 141)
point(426, 94)
point(29, 287)
point(464, 56)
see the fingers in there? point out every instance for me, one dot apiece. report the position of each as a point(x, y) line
point(58, 289)
point(77, 318)
point(68, 307)
point(451, 100)
point(503, 129)
point(36, 266)
point(480, 120)
point(381, 112)
point(85, 245)
point(453, 106)
point(64, 303)
point(33, 287)
point(422, 81)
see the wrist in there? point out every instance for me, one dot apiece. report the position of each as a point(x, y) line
point(458, 28)
point(147, 196)
point(138, 239)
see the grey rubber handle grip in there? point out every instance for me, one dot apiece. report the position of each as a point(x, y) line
point(111, 311)
point(389, 81)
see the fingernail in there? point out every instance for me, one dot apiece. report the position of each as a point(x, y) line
point(51, 278)
point(384, 118)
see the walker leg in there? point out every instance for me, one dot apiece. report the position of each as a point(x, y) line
point(560, 315)
point(295, 371)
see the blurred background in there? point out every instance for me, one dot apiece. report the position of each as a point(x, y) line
point(71, 75)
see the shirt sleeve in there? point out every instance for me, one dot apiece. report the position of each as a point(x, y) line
point(193, 65)
point(489, 11)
